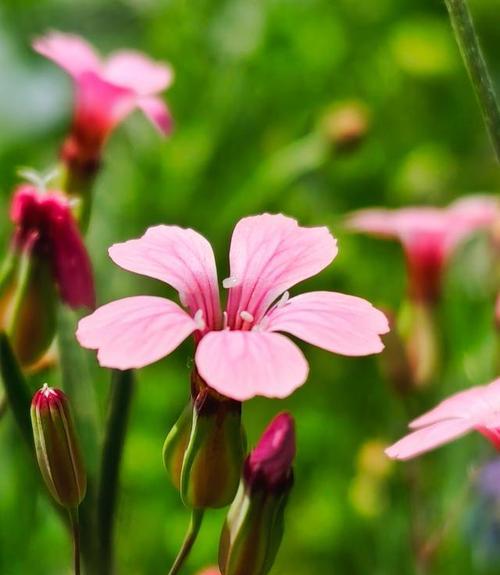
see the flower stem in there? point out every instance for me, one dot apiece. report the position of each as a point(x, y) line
point(121, 398)
point(463, 26)
point(189, 540)
point(75, 530)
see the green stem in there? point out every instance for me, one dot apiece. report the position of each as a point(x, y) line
point(463, 26)
point(121, 398)
point(75, 530)
point(189, 540)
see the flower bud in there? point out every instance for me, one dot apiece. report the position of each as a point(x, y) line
point(47, 262)
point(213, 458)
point(57, 449)
point(254, 526)
point(175, 445)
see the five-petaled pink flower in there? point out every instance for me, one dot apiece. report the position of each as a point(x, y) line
point(428, 235)
point(44, 226)
point(106, 92)
point(240, 352)
point(477, 408)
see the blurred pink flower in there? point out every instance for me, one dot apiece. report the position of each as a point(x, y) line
point(106, 91)
point(45, 226)
point(210, 571)
point(477, 408)
point(239, 352)
point(428, 235)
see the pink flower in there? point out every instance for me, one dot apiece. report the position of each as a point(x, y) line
point(428, 235)
point(477, 408)
point(240, 353)
point(210, 571)
point(45, 226)
point(106, 91)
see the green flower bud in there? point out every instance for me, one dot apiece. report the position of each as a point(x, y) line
point(176, 444)
point(57, 449)
point(253, 530)
point(28, 302)
point(213, 458)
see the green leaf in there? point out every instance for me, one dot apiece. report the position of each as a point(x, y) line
point(16, 388)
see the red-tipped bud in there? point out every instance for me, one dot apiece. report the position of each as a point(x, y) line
point(57, 449)
point(269, 465)
point(45, 226)
point(254, 525)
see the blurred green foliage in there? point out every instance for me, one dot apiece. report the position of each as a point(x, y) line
point(255, 83)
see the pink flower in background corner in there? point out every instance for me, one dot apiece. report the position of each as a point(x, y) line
point(477, 408)
point(239, 353)
point(45, 226)
point(106, 91)
point(209, 571)
point(428, 235)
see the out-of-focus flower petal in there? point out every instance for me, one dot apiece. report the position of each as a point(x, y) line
point(137, 72)
point(180, 257)
point(68, 51)
point(428, 438)
point(337, 322)
point(476, 404)
point(243, 364)
point(158, 113)
point(268, 255)
point(135, 331)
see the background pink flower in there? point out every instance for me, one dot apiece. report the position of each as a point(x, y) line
point(428, 235)
point(240, 352)
point(106, 91)
point(477, 408)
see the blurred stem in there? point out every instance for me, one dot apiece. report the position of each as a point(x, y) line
point(121, 397)
point(75, 530)
point(189, 540)
point(463, 26)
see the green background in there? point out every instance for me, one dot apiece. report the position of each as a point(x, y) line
point(257, 82)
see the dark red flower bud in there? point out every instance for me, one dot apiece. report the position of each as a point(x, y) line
point(45, 225)
point(269, 464)
point(57, 447)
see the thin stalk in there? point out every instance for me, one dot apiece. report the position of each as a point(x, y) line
point(189, 540)
point(121, 398)
point(463, 26)
point(75, 531)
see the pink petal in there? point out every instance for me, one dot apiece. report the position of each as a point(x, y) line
point(180, 257)
point(68, 51)
point(157, 112)
point(336, 322)
point(475, 404)
point(269, 254)
point(428, 438)
point(137, 72)
point(243, 364)
point(135, 331)
point(99, 105)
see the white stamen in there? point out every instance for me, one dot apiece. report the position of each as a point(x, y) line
point(230, 282)
point(224, 320)
point(283, 300)
point(199, 321)
point(38, 179)
point(246, 316)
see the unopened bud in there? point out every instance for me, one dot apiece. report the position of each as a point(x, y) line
point(57, 449)
point(213, 458)
point(176, 444)
point(254, 526)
